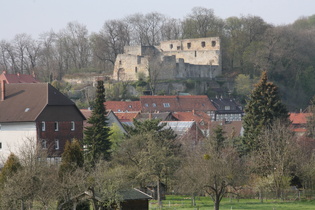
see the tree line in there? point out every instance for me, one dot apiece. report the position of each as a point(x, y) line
point(249, 46)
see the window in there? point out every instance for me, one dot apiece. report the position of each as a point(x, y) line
point(227, 108)
point(72, 125)
point(0, 145)
point(189, 45)
point(213, 43)
point(178, 47)
point(171, 46)
point(166, 104)
point(154, 104)
point(56, 144)
point(56, 126)
point(43, 126)
point(146, 105)
point(44, 144)
point(203, 44)
point(136, 69)
point(195, 53)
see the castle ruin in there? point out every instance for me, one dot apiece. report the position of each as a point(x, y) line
point(174, 59)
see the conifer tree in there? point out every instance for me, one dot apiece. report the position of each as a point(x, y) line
point(11, 166)
point(262, 109)
point(97, 134)
point(72, 157)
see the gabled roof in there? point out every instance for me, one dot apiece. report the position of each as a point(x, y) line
point(179, 127)
point(225, 105)
point(200, 117)
point(177, 103)
point(163, 116)
point(24, 102)
point(18, 78)
point(126, 116)
point(123, 106)
point(299, 118)
point(231, 128)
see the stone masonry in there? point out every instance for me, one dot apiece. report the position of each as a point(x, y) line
point(174, 59)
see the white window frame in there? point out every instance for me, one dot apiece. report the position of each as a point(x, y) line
point(166, 105)
point(44, 144)
point(43, 126)
point(72, 125)
point(56, 126)
point(57, 144)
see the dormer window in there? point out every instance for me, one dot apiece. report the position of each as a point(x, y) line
point(166, 104)
point(227, 108)
point(154, 104)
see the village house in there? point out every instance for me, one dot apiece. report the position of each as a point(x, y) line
point(298, 122)
point(37, 113)
point(227, 109)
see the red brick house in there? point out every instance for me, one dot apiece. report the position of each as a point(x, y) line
point(40, 113)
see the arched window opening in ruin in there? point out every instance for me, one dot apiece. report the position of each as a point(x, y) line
point(189, 45)
point(171, 46)
point(203, 44)
point(213, 43)
point(178, 47)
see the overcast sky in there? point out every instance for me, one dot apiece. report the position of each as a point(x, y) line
point(37, 16)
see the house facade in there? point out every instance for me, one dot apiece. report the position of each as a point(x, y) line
point(37, 114)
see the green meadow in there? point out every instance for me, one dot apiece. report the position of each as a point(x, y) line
point(203, 203)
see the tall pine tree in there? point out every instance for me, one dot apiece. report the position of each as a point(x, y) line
point(262, 110)
point(96, 137)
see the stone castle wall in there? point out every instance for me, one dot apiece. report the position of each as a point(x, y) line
point(174, 59)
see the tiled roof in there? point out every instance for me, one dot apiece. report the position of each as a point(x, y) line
point(123, 106)
point(177, 103)
point(299, 118)
point(230, 128)
point(164, 116)
point(126, 116)
point(18, 78)
point(25, 101)
point(222, 103)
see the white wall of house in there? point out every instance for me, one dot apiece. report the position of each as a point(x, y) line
point(16, 136)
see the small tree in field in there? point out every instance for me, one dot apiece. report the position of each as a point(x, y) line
point(211, 168)
point(263, 108)
point(97, 134)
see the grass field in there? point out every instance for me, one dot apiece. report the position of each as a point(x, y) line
point(203, 203)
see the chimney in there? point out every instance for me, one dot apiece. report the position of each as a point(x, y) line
point(2, 90)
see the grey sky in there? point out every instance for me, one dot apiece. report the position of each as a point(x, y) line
point(37, 16)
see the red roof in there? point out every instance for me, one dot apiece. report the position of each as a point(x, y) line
point(299, 118)
point(18, 78)
point(179, 103)
point(126, 116)
point(123, 106)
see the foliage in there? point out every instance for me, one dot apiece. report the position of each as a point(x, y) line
point(210, 168)
point(244, 85)
point(116, 137)
point(11, 166)
point(97, 134)
point(277, 158)
point(263, 108)
point(72, 157)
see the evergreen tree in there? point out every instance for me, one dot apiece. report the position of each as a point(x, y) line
point(262, 109)
point(97, 134)
point(11, 166)
point(72, 157)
